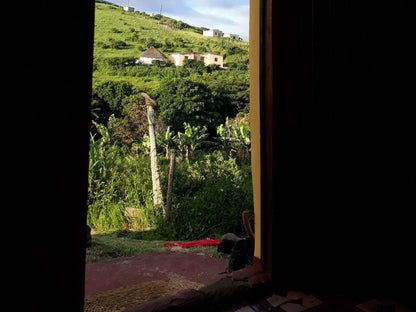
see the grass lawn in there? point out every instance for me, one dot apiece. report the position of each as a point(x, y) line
point(114, 245)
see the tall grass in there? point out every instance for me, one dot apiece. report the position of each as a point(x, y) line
point(119, 178)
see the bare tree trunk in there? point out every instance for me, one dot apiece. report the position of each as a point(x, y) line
point(157, 188)
point(170, 181)
point(186, 153)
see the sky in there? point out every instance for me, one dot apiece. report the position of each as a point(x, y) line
point(229, 16)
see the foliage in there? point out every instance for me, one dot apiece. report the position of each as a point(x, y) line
point(118, 178)
point(113, 64)
point(107, 98)
point(191, 138)
point(234, 136)
point(209, 195)
point(169, 141)
point(194, 65)
point(184, 100)
point(133, 126)
point(232, 86)
point(211, 189)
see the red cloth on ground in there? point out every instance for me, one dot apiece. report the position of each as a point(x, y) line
point(205, 242)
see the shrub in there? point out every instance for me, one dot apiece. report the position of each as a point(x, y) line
point(115, 30)
point(149, 42)
point(184, 100)
point(108, 97)
point(135, 37)
point(116, 44)
point(209, 196)
point(134, 125)
point(102, 45)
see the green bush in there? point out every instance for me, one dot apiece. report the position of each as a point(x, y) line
point(109, 98)
point(116, 44)
point(209, 196)
point(184, 100)
point(115, 30)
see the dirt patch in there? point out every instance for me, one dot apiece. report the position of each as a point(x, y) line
point(126, 297)
point(116, 273)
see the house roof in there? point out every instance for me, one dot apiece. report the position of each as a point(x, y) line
point(152, 52)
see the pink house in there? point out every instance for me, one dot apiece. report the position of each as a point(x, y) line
point(207, 58)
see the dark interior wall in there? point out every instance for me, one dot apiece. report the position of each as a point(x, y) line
point(341, 189)
point(340, 135)
point(47, 66)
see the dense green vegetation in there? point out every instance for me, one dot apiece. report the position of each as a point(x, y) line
point(202, 116)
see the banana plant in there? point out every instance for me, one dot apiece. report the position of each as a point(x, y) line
point(225, 137)
point(191, 139)
point(234, 137)
point(243, 138)
point(169, 141)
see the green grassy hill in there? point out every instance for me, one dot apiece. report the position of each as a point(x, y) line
point(121, 35)
point(138, 29)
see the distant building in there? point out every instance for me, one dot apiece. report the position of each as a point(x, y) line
point(213, 33)
point(207, 58)
point(151, 54)
point(232, 36)
point(128, 9)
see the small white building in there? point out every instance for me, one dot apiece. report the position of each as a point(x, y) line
point(232, 36)
point(128, 9)
point(213, 33)
point(151, 54)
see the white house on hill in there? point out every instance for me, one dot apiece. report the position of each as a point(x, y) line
point(128, 9)
point(213, 33)
point(232, 36)
point(151, 54)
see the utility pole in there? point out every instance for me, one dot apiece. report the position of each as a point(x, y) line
point(160, 12)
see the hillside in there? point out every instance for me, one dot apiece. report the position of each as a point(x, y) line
point(121, 37)
point(135, 32)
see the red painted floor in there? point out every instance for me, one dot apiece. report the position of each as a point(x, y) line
point(119, 272)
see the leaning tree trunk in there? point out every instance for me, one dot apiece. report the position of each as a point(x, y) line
point(170, 182)
point(157, 188)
